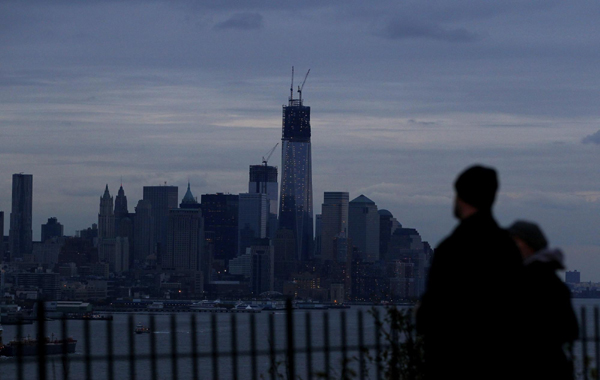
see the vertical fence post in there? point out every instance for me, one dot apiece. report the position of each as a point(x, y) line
point(344, 345)
point(290, 339)
point(378, 358)
point(41, 339)
point(234, 353)
point(131, 340)
point(215, 347)
point(308, 347)
point(326, 349)
point(110, 350)
point(584, 343)
point(174, 367)
point(65, 348)
point(87, 349)
point(597, 342)
point(253, 355)
point(20, 349)
point(153, 359)
point(272, 356)
point(361, 346)
point(194, 342)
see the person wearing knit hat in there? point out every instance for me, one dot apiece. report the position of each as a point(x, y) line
point(466, 315)
point(548, 314)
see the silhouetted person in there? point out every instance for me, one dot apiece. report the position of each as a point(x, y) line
point(468, 314)
point(548, 315)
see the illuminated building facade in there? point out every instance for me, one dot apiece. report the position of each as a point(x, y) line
point(296, 198)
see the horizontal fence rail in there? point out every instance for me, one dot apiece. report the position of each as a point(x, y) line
point(297, 345)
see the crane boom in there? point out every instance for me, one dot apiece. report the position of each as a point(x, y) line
point(301, 87)
point(265, 160)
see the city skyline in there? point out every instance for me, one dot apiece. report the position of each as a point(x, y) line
point(404, 96)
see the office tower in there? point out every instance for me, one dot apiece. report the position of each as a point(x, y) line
point(121, 212)
point(334, 220)
point(363, 229)
point(189, 201)
point(263, 180)
point(262, 268)
point(185, 240)
point(106, 227)
point(106, 217)
point(252, 219)
point(220, 212)
point(143, 232)
point(20, 234)
point(52, 229)
point(318, 228)
point(572, 277)
point(1, 236)
point(387, 225)
point(162, 199)
point(296, 202)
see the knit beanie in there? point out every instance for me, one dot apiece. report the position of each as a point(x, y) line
point(477, 186)
point(530, 233)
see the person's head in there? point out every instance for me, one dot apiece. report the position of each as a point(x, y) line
point(528, 236)
point(476, 189)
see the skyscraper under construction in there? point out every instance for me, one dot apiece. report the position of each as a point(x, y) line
point(296, 202)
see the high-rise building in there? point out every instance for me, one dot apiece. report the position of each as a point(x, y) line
point(121, 212)
point(296, 202)
point(1, 236)
point(189, 201)
point(572, 277)
point(185, 240)
point(252, 219)
point(162, 199)
point(106, 226)
point(52, 229)
point(106, 217)
point(334, 220)
point(363, 229)
point(263, 180)
point(220, 212)
point(143, 232)
point(21, 234)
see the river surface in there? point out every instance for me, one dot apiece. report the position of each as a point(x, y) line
point(181, 337)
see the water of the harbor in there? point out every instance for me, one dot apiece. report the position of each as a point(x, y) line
point(183, 334)
point(183, 330)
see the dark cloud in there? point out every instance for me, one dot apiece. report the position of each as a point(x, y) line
point(242, 21)
point(419, 122)
point(592, 139)
point(402, 29)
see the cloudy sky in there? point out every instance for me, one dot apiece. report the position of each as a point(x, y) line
point(404, 95)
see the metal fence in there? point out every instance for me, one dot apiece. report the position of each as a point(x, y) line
point(364, 348)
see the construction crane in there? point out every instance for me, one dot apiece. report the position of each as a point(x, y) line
point(302, 87)
point(265, 160)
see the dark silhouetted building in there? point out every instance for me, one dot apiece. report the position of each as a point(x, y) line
point(21, 234)
point(52, 229)
point(185, 240)
point(253, 216)
point(334, 220)
point(162, 199)
point(363, 230)
point(220, 212)
point(143, 235)
point(1, 236)
point(572, 277)
point(263, 180)
point(296, 202)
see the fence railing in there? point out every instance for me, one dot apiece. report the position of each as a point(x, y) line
point(269, 345)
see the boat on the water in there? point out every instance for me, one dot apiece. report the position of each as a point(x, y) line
point(141, 329)
point(29, 346)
